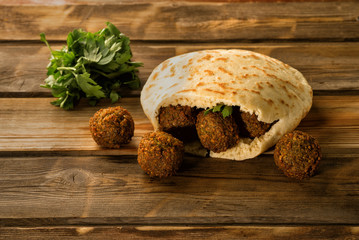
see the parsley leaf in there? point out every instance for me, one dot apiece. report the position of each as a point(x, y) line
point(226, 110)
point(92, 66)
point(89, 86)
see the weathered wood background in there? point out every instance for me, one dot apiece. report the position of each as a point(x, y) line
point(56, 183)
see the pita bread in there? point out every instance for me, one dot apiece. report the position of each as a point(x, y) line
point(259, 84)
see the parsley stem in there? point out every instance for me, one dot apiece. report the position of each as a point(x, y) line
point(67, 68)
point(43, 39)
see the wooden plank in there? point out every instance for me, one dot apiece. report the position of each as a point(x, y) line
point(113, 190)
point(184, 20)
point(96, 2)
point(327, 66)
point(33, 125)
point(185, 232)
point(60, 130)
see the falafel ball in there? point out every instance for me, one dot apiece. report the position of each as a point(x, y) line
point(251, 127)
point(215, 132)
point(298, 155)
point(112, 127)
point(179, 121)
point(160, 154)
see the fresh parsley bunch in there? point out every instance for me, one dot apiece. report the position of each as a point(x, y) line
point(225, 110)
point(92, 65)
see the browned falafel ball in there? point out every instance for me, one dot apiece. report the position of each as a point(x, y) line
point(215, 132)
point(179, 121)
point(160, 154)
point(251, 126)
point(176, 116)
point(112, 127)
point(298, 155)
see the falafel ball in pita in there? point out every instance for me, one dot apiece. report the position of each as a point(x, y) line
point(270, 93)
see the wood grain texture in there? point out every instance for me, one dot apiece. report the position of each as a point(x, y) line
point(183, 20)
point(113, 190)
point(185, 232)
point(56, 183)
point(327, 66)
point(94, 2)
point(33, 125)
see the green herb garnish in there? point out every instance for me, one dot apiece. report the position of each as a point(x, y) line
point(92, 66)
point(226, 110)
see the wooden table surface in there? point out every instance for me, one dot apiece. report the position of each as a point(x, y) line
point(56, 183)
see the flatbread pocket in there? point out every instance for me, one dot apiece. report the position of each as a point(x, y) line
point(257, 84)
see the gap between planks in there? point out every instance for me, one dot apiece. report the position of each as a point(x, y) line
point(185, 232)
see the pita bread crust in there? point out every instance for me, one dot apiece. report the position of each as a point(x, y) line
point(257, 83)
